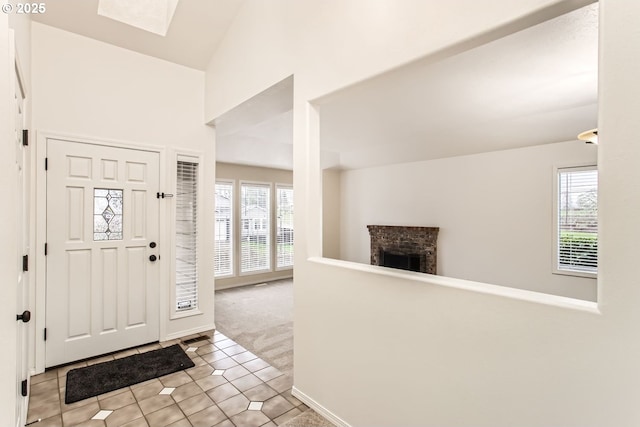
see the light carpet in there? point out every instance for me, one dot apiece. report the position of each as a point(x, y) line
point(308, 418)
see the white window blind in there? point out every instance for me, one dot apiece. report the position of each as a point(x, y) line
point(186, 236)
point(577, 233)
point(223, 257)
point(284, 231)
point(255, 241)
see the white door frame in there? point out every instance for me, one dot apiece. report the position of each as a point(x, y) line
point(41, 233)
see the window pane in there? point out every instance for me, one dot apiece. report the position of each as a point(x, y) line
point(255, 250)
point(578, 220)
point(223, 257)
point(186, 236)
point(284, 236)
point(107, 214)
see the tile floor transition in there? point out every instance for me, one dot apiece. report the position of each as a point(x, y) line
point(228, 386)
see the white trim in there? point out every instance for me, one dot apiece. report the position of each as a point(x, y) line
point(303, 397)
point(41, 139)
point(188, 332)
point(192, 156)
point(554, 232)
point(275, 227)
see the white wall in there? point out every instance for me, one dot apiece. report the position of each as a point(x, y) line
point(494, 210)
point(90, 89)
point(237, 174)
point(404, 351)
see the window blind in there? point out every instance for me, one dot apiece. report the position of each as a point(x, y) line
point(223, 257)
point(577, 236)
point(255, 241)
point(186, 236)
point(284, 231)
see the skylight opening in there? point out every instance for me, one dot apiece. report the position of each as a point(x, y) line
point(150, 15)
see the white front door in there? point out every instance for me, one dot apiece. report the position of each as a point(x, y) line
point(102, 249)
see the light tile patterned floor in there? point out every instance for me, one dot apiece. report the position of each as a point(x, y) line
point(227, 387)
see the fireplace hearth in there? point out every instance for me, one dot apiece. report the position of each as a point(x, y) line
point(404, 247)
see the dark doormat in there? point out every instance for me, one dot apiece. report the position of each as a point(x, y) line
point(83, 383)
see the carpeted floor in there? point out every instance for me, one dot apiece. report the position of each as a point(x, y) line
point(308, 418)
point(260, 318)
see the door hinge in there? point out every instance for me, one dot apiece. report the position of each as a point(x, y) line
point(45, 334)
point(25, 137)
point(25, 388)
point(45, 249)
point(25, 263)
point(46, 163)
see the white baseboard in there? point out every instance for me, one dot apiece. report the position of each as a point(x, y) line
point(184, 333)
point(339, 422)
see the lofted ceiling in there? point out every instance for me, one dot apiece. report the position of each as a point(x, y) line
point(533, 87)
point(196, 29)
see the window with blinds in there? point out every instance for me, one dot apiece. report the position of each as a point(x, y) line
point(284, 231)
point(577, 220)
point(223, 257)
point(255, 240)
point(186, 236)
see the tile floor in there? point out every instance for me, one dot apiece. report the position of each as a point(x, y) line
point(228, 386)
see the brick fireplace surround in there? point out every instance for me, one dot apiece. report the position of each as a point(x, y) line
point(407, 241)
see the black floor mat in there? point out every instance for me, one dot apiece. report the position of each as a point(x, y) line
point(83, 383)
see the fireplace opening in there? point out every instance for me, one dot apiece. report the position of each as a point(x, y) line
point(409, 262)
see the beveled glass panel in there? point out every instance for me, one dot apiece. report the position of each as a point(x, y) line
point(107, 214)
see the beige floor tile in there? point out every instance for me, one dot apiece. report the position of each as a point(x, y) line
point(43, 409)
point(246, 382)
point(255, 365)
point(276, 406)
point(267, 374)
point(215, 356)
point(223, 392)
point(195, 404)
point(165, 416)
point(287, 416)
point(208, 417)
point(125, 415)
point(155, 403)
point(234, 405)
point(260, 393)
point(234, 349)
point(77, 404)
point(138, 422)
point(235, 373)
point(55, 421)
point(287, 395)
point(250, 419)
point(198, 372)
point(79, 415)
point(125, 353)
point(152, 388)
point(226, 363)
point(281, 383)
point(206, 348)
point(176, 379)
point(63, 370)
point(181, 423)
point(243, 357)
point(211, 381)
point(185, 391)
point(45, 376)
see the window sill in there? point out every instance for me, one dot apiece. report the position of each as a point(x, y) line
point(576, 273)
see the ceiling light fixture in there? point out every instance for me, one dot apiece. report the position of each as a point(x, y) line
point(150, 15)
point(589, 136)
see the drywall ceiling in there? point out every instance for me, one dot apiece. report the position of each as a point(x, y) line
point(259, 132)
point(196, 29)
point(533, 87)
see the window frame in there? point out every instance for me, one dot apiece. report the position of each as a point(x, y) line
point(240, 227)
point(191, 157)
point(275, 228)
point(556, 221)
point(234, 230)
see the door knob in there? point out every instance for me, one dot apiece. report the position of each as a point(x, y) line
point(152, 258)
point(25, 316)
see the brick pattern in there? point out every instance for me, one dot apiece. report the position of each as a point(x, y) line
point(402, 240)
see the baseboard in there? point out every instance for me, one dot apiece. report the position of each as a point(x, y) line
point(197, 330)
point(339, 422)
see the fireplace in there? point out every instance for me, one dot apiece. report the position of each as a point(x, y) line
point(402, 247)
